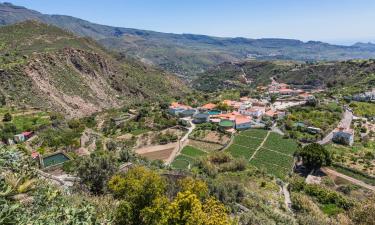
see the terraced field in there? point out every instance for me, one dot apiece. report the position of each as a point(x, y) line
point(187, 157)
point(272, 153)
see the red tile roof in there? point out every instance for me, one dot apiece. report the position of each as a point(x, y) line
point(242, 119)
point(209, 106)
point(178, 105)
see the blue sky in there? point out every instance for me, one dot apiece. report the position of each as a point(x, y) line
point(334, 21)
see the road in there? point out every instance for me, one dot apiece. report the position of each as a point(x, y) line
point(181, 143)
point(345, 122)
point(350, 179)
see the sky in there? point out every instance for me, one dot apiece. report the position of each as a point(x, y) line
point(333, 21)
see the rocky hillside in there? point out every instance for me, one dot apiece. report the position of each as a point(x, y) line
point(321, 74)
point(189, 54)
point(44, 66)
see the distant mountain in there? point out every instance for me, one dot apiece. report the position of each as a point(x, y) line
point(46, 67)
point(189, 54)
point(352, 73)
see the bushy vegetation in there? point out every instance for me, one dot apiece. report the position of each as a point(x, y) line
point(324, 116)
point(314, 156)
point(321, 194)
point(363, 109)
point(142, 201)
point(149, 117)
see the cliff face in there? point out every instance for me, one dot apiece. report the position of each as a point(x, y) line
point(42, 66)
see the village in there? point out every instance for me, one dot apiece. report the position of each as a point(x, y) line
point(232, 115)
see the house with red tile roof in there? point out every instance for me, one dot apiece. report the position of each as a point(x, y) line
point(242, 122)
point(275, 114)
point(208, 106)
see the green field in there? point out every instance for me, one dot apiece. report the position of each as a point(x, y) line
point(192, 152)
point(239, 151)
point(275, 156)
point(278, 143)
point(187, 157)
point(182, 162)
point(255, 133)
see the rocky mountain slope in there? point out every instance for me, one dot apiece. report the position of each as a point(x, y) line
point(188, 54)
point(44, 66)
point(320, 74)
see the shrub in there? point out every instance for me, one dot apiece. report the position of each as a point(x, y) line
point(7, 117)
point(220, 157)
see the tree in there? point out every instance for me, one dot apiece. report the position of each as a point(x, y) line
point(7, 131)
point(137, 189)
point(314, 156)
point(195, 186)
point(96, 170)
point(187, 209)
point(7, 117)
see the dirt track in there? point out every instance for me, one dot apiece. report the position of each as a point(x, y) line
point(350, 179)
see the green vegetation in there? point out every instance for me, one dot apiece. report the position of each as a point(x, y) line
point(355, 174)
point(64, 64)
point(277, 143)
point(143, 201)
point(358, 157)
point(275, 156)
point(363, 109)
point(188, 157)
point(257, 133)
point(192, 152)
point(343, 77)
point(323, 195)
point(314, 156)
point(149, 117)
point(324, 116)
point(182, 162)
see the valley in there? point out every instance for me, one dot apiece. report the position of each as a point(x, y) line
point(110, 125)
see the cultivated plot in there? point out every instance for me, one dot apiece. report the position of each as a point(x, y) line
point(187, 157)
point(272, 153)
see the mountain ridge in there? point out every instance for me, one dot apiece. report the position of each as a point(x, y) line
point(190, 54)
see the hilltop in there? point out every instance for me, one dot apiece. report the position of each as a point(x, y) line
point(46, 67)
point(189, 54)
point(319, 74)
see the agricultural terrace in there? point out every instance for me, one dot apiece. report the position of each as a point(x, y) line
point(26, 120)
point(187, 157)
point(265, 150)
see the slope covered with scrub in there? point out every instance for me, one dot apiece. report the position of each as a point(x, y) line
point(46, 67)
point(320, 74)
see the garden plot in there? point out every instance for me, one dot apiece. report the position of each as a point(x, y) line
point(274, 155)
point(187, 157)
point(245, 143)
